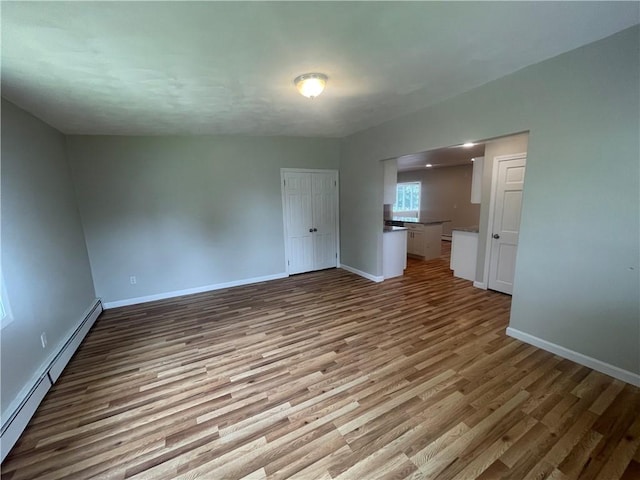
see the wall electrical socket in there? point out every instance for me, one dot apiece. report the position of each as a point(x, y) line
point(132, 280)
point(43, 339)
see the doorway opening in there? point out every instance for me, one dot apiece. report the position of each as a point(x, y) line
point(484, 205)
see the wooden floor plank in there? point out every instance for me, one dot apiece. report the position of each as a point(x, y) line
point(327, 375)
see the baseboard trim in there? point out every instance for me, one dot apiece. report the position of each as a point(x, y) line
point(481, 285)
point(598, 365)
point(366, 275)
point(14, 428)
point(72, 344)
point(25, 405)
point(190, 291)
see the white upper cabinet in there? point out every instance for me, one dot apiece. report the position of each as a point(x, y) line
point(476, 180)
point(390, 181)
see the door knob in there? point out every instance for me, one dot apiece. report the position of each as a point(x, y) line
point(496, 236)
point(315, 229)
point(311, 230)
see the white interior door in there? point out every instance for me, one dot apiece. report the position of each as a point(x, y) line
point(506, 223)
point(311, 215)
point(299, 222)
point(324, 188)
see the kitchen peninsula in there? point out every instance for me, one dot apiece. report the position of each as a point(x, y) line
point(394, 251)
point(464, 252)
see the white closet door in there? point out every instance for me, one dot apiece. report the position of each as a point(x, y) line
point(324, 188)
point(299, 221)
point(311, 217)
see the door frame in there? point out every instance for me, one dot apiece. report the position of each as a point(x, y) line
point(492, 205)
point(284, 207)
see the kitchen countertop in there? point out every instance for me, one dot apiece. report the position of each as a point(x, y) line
point(473, 229)
point(428, 221)
point(387, 229)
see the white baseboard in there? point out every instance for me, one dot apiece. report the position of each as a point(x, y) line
point(481, 285)
point(17, 415)
point(72, 344)
point(190, 291)
point(598, 365)
point(366, 275)
point(14, 428)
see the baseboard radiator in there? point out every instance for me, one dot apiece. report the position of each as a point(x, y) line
point(18, 419)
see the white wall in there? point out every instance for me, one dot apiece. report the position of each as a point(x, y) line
point(576, 281)
point(182, 213)
point(44, 256)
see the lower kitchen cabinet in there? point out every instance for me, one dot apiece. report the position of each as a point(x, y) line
point(415, 242)
point(424, 240)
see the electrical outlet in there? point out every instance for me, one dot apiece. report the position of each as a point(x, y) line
point(43, 339)
point(133, 280)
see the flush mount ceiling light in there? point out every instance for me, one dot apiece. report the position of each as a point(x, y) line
point(468, 144)
point(428, 165)
point(311, 85)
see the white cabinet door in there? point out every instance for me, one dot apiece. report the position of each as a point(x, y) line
point(311, 212)
point(506, 224)
point(432, 241)
point(476, 180)
point(415, 240)
point(417, 243)
point(424, 240)
point(390, 181)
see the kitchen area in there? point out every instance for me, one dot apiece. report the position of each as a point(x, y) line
point(431, 197)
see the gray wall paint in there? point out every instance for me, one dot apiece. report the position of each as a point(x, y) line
point(576, 282)
point(185, 212)
point(494, 148)
point(445, 195)
point(44, 257)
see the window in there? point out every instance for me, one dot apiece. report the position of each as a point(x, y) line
point(407, 200)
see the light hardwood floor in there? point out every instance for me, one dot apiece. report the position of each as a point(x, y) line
point(327, 375)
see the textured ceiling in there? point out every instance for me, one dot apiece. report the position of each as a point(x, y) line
point(139, 68)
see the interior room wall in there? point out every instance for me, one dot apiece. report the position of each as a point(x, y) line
point(576, 279)
point(445, 195)
point(181, 213)
point(45, 264)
